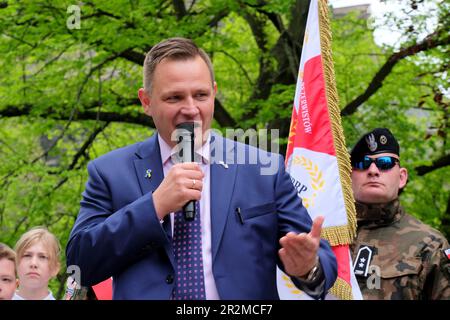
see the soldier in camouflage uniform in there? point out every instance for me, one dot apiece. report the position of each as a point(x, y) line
point(396, 256)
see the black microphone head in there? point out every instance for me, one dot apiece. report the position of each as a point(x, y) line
point(189, 126)
point(184, 132)
point(184, 135)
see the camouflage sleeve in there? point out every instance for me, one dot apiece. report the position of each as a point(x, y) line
point(439, 282)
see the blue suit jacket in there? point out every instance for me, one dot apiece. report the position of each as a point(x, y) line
point(117, 232)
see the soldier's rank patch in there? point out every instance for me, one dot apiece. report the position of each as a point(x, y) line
point(362, 261)
point(447, 253)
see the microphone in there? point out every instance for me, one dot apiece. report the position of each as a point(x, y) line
point(186, 138)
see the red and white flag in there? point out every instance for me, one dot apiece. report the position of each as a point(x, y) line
point(316, 156)
point(103, 290)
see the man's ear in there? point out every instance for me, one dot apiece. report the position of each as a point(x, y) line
point(145, 101)
point(403, 178)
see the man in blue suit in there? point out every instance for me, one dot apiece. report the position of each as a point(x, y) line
point(250, 220)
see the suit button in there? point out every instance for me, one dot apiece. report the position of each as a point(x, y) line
point(169, 279)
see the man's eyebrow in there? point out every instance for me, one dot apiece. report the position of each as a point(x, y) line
point(172, 92)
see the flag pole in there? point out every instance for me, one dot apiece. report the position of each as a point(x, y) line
point(338, 235)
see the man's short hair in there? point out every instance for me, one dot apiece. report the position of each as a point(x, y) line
point(42, 235)
point(7, 253)
point(174, 49)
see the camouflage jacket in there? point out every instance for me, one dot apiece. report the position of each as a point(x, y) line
point(407, 259)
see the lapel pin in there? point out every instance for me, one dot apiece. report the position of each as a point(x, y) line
point(223, 164)
point(148, 173)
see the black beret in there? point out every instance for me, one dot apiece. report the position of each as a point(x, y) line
point(379, 140)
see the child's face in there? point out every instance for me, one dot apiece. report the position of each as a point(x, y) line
point(8, 282)
point(35, 268)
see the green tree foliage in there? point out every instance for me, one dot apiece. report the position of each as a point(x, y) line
point(410, 96)
point(69, 94)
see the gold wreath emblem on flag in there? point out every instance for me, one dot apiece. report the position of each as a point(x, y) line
point(288, 283)
point(316, 176)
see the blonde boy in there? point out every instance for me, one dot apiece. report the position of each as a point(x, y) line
point(37, 262)
point(8, 281)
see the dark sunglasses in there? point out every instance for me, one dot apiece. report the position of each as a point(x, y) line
point(382, 163)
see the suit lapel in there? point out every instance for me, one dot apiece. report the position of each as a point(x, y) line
point(223, 176)
point(149, 158)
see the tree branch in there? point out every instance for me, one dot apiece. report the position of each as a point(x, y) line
point(222, 116)
point(275, 19)
point(133, 56)
point(265, 79)
point(49, 62)
point(257, 26)
point(140, 119)
point(100, 13)
point(180, 8)
point(87, 144)
point(238, 64)
point(192, 5)
point(431, 41)
point(80, 152)
point(437, 164)
point(216, 19)
point(92, 70)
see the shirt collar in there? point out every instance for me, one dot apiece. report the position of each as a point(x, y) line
point(167, 151)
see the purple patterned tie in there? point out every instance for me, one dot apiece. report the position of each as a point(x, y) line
point(187, 245)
